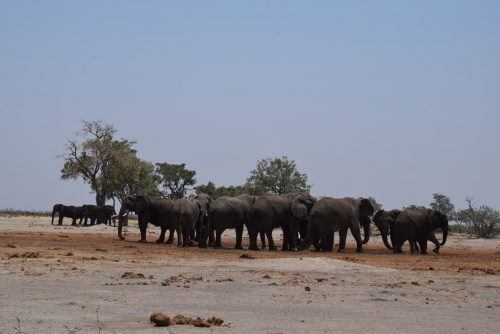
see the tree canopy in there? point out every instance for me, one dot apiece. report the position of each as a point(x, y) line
point(111, 167)
point(211, 189)
point(175, 179)
point(277, 176)
point(442, 203)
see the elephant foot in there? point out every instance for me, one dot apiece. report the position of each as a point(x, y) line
point(211, 244)
point(342, 250)
point(254, 248)
point(142, 241)
point(436, 250)
point(359, 250)
point(273, 248)
point(160, 241)
point(238, 247)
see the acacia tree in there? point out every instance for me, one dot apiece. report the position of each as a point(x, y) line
point(277, 176)
point(211, 189)
point(481, 221)
point(92, 159)
point(133, 176)
point(175, 179)
point(414, 207)
point(442, 203)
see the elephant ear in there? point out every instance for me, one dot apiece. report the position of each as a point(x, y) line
point(299, 209)
point(141, 203)
point(366, 208)
point(437, 219)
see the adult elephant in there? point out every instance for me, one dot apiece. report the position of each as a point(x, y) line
point(157, 211)
point(228, 212)
point(69, 211)
point(186, 213)
point(86, 208)
point(288, 211)
point(419, 226)
point(204, 202)
point(102, 214)
point(384, 220)
point(339, 214)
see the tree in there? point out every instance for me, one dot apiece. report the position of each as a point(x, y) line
point(376, 205)
point(133, 176)
point(278, 176)
point(443, 204)
point(481, 221)
point(175, 179)
point(414, 207)
point(93, 158)
point(211, 189)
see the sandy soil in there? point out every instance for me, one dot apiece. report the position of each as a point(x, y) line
point(66, 279)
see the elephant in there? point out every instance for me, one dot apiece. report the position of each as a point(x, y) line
point(157, 211)
point(384, 220)
point(338, 214)
point(87, 208)
point(288, 211)
point(204, 201)
point(419, 226)
point(186, 213)
point(69, 211)
point(228, 212)
point(101, 214)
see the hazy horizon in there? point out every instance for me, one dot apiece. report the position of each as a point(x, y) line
point(386, 99)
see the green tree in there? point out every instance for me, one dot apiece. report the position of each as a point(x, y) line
point(376, 205)
point(92, 159)
point(175, 179)
point(442, 203)
point(211, 189)
point(481, 221)
point(133, 176)
point(278, 176)
point(414, 207)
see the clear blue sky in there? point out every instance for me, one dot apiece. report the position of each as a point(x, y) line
point(392, 99)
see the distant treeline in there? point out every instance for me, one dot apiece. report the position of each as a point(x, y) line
point(34, 213)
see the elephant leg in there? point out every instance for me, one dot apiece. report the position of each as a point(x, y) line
point(286, 238)
point(357, 236)
point(330, 238)
point(161, 239)
point(253, 240)
point(218, 236)
point(239, 237)
point(211, 237)
point(342, 240)
point(431, 236)
point(170, 239)
point(262, 240)
point(143, 228)
point(178, 229)
point(423, 245)
point(270, 241)
point(324, 243)
point(60, 219)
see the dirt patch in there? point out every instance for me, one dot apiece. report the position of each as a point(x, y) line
point(132, 275)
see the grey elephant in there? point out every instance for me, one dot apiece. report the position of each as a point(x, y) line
point(157, 211)
point(339, 214)
point(288, 211)
point(384, 220)
point(69, 211)
point(101, 214)
point(419, 226)
point(204, 201)
point(86, 208)
point(228, 212)
point(186, 213)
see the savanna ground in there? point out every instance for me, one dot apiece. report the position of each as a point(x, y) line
point(67, 279)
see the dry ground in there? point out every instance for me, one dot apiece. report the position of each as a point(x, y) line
point(65, 279)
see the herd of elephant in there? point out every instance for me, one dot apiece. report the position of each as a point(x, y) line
point(304, 220)
point(97, 214)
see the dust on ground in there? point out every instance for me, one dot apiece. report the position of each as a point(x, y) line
point(63, 279)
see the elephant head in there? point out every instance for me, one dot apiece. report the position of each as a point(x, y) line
point(366, 210)
point(57, 208)
point(135, 203)
point(437, 220)
point(384, 220)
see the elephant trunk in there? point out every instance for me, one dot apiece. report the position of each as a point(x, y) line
point(445, 236)
point(53, 213)
point(121, 218)
point(386, 242)
point(366, 229)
